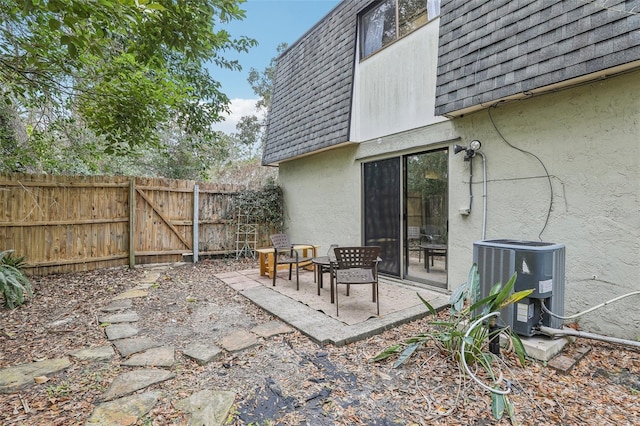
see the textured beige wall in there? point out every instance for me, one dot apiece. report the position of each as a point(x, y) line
point(588, 138)
point(322, 195)
point(394, 89)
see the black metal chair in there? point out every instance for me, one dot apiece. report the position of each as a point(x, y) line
point(284, 253)
point(357, 265)
point(414, 240)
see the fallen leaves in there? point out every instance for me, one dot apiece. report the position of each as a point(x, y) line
point(322, 386)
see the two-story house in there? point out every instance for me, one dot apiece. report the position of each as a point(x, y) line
point(374, 115)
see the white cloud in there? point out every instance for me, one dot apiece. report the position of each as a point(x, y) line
point(239, 108)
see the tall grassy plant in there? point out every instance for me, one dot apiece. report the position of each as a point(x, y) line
point(14, 284)
point(466, 309)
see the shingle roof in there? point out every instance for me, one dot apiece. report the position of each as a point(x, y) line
point(311, 98)
point(489, 50)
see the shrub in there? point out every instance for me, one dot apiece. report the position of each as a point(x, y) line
point(14, 284)
point(469, 331)
point(264, 206)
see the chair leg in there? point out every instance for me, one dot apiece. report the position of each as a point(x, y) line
point(297, 278)
point(290, 267)
point(275, 270)
point(377, 299)
point(336, 299)
point(331, 283)
point(373, 292)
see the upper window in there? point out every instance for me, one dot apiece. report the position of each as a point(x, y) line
point(389, 20)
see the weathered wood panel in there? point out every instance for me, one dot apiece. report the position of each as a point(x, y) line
point(72, 223)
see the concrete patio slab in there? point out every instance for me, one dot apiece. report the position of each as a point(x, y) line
point(324, 328)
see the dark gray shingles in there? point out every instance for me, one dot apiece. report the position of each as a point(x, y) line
point(532, 44)
point(312, 91)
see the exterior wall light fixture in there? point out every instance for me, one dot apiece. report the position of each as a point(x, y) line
point(470, 151)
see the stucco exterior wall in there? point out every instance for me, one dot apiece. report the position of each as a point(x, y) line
point(323, 192)
point(588, 138)
point(322, 195)
point(394, 89)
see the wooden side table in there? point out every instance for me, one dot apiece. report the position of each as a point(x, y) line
point(265, 258)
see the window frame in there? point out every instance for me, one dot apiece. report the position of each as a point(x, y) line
point(366, 52)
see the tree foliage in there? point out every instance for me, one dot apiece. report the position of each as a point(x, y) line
point(251, 128)
point(122, 73)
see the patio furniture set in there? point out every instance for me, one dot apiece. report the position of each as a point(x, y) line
point(345, 265)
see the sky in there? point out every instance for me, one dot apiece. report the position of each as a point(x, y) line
point(270, 22)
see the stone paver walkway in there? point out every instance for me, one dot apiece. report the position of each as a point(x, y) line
point(149, 362)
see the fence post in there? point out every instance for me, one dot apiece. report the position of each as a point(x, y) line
point(132, 223)
point(196, 219)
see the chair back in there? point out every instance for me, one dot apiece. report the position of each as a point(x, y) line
point(356, 257)
point(413, 232)
point(331, 253)
point(280, 241)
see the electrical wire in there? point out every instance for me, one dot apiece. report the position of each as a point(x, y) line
point(464, 361)
point(470, 183)
point(484, 194)
point(579, 314)
point(546, 222)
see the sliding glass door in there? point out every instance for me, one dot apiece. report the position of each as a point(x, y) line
point(426, 217)
point(405, 213)
point(381, 208)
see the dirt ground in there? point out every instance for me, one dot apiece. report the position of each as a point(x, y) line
point(286, 379)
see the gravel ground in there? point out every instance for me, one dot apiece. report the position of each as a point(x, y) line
point(286, 379)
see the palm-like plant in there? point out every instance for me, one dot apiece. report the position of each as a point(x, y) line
point(14, 284)
point(463, 339)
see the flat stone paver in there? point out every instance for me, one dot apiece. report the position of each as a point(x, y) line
point(144, 286)
point(132, 294)
point(271, 328)
point(163, 356)
point(127, 383)
point(118, 305)
point(123, 411)
point(120, 331)
point(238, 340)
point(564, 363)
point(207, 407)
point(202, 353)
point(119, 318)
point(61, 322)
point(134, 345)
point(21, 376)
point(98, 353)
point(150, 277)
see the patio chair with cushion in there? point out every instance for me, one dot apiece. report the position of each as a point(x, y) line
point(284, 253)
point(357, 265)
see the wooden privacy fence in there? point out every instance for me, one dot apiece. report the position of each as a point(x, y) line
point(72, 223)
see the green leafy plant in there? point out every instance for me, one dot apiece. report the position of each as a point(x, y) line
point(466, 335)
point(14, 284)
point(265, 205)
point(59, 391)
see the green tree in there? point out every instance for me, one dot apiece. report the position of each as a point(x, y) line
point(251, 127)
point(262, 82)
point(124, 70)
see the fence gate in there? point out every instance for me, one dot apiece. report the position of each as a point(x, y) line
point(74, 223)
point(163, 221)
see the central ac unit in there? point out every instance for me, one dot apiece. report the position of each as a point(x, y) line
point(539, 267)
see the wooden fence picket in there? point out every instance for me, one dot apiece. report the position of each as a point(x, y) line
point(73, 223)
